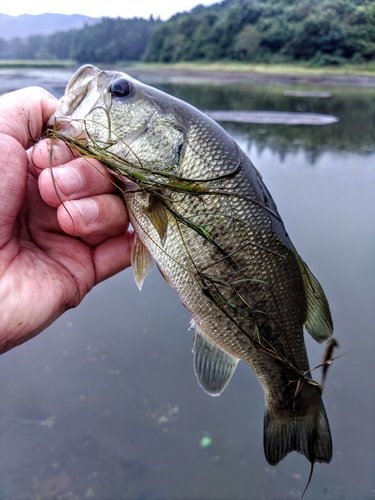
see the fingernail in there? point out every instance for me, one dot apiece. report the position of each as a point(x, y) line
point(68, 180)
point(88, 209)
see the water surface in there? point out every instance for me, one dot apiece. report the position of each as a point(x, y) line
point(104, 404)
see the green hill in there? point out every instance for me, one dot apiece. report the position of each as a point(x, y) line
point(320, 31)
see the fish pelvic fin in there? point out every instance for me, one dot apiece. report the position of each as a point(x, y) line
point(213, 366)
point(305, 430)
point(318, 318)
point(141, 261)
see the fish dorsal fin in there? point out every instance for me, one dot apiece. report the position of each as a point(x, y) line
point(158, 216)
point(213, 366)
point(141, 261)
point(318, 318)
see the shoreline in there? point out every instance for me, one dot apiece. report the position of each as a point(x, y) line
point(195, 76)
point(222, 72)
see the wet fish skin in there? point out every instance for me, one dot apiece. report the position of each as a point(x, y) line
point(242, 280)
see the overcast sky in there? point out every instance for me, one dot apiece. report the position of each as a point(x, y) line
point(122, 8)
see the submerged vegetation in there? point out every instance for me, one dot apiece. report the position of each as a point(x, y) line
point(324, 32)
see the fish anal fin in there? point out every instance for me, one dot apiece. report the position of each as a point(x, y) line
point(158, 216)
point(213, 366)
point(141, 261)
point(318, 317)
point(305, 431)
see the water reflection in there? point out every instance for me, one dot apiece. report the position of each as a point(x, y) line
point(104, 404)
point(53, 80)
point(353, 133)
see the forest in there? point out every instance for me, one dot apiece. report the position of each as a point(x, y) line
point(321, 32)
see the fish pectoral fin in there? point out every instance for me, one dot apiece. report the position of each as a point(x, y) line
point(158, 216)
point(141, 261)
point(318, 318)
point(213, 366)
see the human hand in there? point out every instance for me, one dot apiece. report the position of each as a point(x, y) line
point(50, 256)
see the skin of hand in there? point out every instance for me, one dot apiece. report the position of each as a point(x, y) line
point(51, 254)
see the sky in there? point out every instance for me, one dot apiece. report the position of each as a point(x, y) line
point(125, 9)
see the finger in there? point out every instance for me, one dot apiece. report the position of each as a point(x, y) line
point(112, 256)
point(24, 112)
point(48, 153)
point(79, 178)
point(94, 219)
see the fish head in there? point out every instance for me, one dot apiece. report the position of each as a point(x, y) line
point(112, 110)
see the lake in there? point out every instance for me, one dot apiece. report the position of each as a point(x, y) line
point(104, 404)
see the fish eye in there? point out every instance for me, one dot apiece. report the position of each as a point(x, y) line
point(120, 88)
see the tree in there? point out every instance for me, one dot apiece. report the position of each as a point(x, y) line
point(247, 43)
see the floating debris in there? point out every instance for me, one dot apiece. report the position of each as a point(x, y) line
point(272, 117)
point(165, 414)
point(206, 441)
point(48, 422)
point(113, 372)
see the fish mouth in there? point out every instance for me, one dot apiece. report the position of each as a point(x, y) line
point(82, 77)
point(74, 129)
point(81, 97)
point(79, 88)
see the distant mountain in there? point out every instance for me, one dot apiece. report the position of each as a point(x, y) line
point(43, 24)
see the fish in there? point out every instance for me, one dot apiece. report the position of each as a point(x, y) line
point(201, 211)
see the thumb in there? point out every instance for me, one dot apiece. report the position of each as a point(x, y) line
point(24, 112)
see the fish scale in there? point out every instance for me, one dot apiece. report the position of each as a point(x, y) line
point(204, 215)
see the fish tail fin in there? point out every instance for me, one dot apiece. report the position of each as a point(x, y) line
point(304, 429)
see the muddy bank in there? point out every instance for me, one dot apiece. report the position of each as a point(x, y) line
point(174, 75)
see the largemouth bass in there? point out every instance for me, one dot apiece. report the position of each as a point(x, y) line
point(201, 211)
